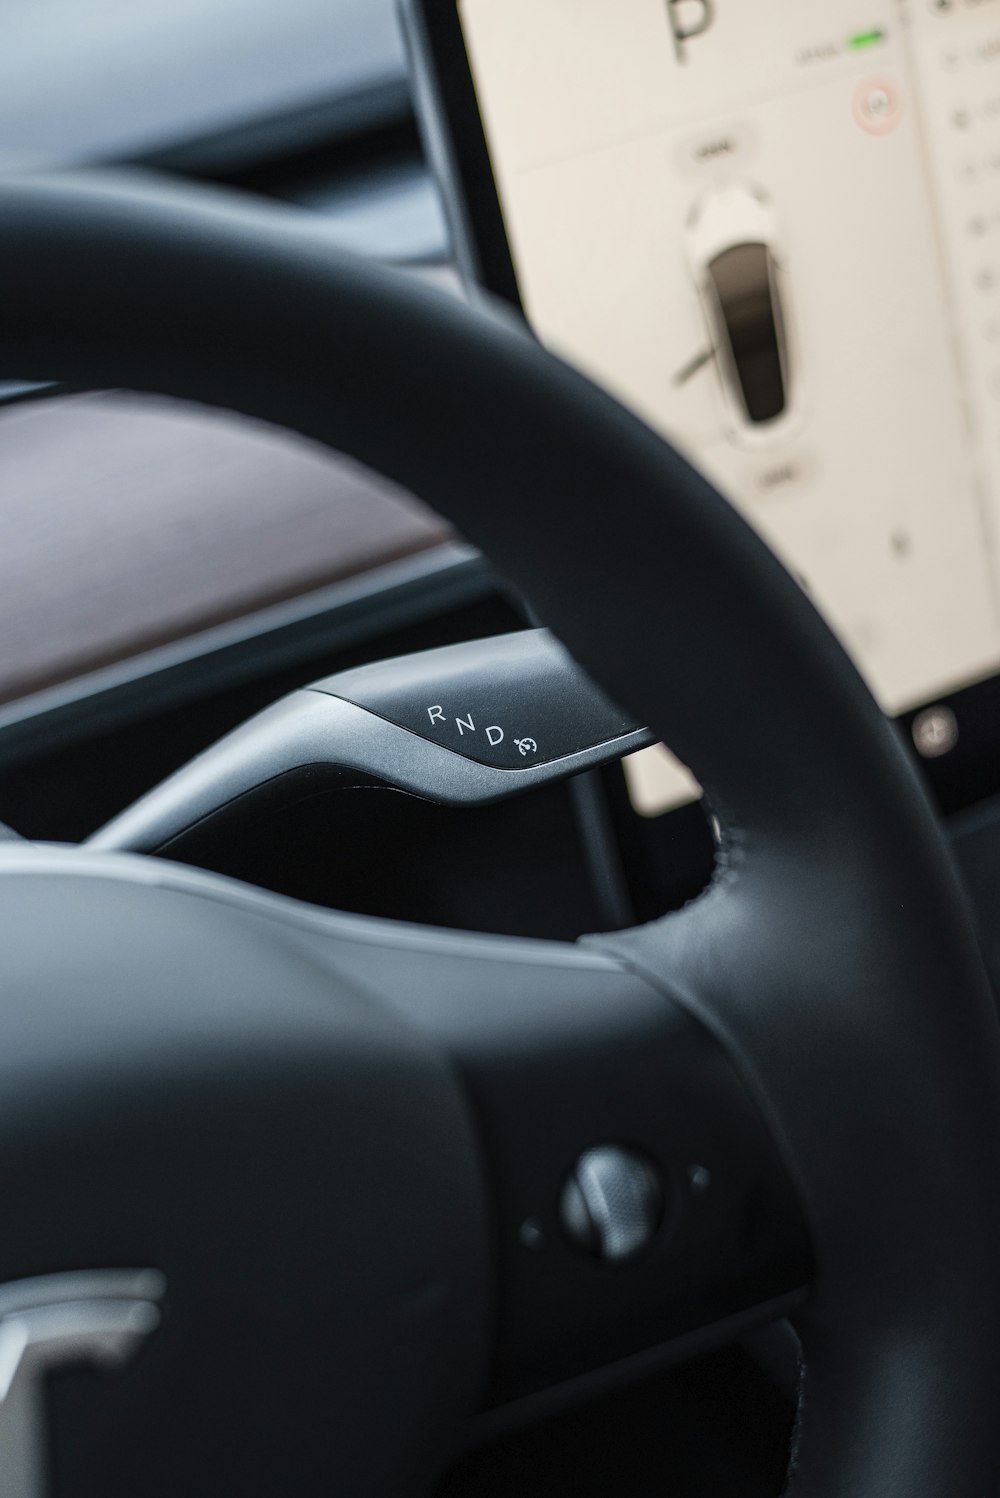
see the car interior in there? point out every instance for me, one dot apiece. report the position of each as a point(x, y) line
point(500, 748)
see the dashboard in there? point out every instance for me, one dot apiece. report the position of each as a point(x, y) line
point(773, 231)
point(131, 525)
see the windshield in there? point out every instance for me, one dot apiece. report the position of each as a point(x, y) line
point(90, 80)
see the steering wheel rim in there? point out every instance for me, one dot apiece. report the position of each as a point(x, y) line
point(834, 950)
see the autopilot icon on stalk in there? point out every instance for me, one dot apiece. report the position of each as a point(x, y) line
point(738, 264)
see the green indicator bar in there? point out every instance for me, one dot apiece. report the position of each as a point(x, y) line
point(862, 39)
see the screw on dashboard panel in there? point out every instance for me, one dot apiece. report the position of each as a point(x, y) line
point(935, 732)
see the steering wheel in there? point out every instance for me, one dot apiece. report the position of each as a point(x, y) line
point(345, 1143)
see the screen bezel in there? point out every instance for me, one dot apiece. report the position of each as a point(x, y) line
point(454, 133)
point(455, 138)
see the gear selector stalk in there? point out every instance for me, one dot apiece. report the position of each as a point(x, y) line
point(464, 725)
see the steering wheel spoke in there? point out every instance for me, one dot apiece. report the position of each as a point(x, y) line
point(583, 1078)
point(618, 1191)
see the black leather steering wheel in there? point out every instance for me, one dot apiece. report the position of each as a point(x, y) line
point(328, 1132)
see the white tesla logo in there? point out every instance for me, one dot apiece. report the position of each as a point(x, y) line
point(98, 1317)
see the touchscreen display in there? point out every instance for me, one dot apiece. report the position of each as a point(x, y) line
point(773, 228)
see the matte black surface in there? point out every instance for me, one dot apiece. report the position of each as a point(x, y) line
point(833, 961)
point(516, 869)
point(715, 1429)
